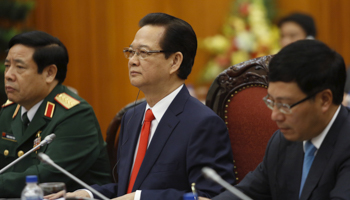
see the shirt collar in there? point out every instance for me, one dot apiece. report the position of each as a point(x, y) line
point(317, 141)
point(161, 106)
point(31, 112)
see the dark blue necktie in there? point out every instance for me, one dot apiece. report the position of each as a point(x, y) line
point(308, 159)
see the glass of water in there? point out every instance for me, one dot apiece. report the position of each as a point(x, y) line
point(53, 188)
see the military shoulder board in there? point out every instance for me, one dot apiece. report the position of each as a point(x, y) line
point(66, 101)
point(7, 103)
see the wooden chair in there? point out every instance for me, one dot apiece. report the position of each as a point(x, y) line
point(113, 133)
point(236, 96)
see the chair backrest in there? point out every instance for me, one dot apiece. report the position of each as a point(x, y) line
point(113, 132)
point(236, 96)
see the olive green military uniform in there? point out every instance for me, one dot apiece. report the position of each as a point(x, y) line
point(78, 147)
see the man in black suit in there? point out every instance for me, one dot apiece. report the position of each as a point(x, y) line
point(309, 156)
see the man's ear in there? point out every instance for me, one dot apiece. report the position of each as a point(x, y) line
point(176, 60)
point(326, 99)
point(50, 73)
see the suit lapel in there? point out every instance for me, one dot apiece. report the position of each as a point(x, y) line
point(323, 155)
point(316, 170)
point(164, 129)
point(288, 176)
point(159, 139)
point(16, 127)
point(33, 127)
point(37, 122)
point(131, 134)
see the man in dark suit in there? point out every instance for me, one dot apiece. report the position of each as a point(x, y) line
point(36, 66)
point(185, 135)
point(309, 156)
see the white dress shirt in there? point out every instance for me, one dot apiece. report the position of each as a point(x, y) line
point(158, 111)
point(317, 141)
point(31, 112)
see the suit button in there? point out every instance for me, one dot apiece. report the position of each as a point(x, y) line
point(20, 153)
point(6, 152)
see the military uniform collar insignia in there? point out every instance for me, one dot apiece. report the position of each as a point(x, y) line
point(49, 110)
point(16, 111)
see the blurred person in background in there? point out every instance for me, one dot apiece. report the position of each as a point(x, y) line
point(297, 26)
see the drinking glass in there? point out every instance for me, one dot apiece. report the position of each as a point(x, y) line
point(54, 187)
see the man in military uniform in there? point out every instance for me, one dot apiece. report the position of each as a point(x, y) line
point(39, 105)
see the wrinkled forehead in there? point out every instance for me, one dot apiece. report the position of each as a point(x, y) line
point(19, 53)
point(148, 36)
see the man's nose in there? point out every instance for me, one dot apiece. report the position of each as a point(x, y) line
point(276, 114)
point(134, 60)
point(9, 75)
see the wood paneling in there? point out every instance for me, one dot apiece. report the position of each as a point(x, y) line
point(331, 17)
point(95, 31)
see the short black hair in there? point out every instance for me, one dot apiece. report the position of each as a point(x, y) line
point(305, 21)
point(312, 65)
point(48, 50)
point(179, 37)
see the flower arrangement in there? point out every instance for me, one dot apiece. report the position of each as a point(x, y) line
point(247, 33)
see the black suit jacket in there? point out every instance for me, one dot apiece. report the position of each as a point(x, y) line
point(188, 137)
point(279, 175)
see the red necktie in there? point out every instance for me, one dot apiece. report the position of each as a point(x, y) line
point(141, 151)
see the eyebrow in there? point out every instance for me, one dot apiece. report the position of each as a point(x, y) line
point(16, 60)
point(143, 45)
point(279, 98)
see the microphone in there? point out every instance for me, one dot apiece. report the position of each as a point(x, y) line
point(48, 139)
point(46, 159)
point(211, 174)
